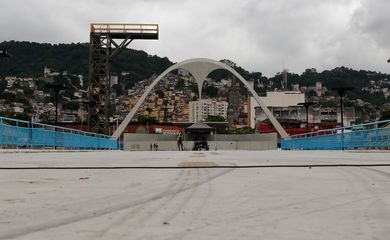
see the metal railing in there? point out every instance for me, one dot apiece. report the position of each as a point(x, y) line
point(374, 135)
point(124, 28)
point(23, 134)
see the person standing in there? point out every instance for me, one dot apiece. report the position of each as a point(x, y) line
point(180, 141)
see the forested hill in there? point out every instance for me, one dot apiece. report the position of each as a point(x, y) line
point(30, 58)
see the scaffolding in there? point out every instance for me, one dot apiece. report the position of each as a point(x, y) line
point(106, 41)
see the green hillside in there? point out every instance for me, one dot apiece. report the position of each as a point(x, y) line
point(30, 58)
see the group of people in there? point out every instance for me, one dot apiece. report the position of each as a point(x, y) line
point(154, 146)
point(179, 139)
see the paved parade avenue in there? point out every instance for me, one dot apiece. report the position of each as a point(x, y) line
point(195, 195)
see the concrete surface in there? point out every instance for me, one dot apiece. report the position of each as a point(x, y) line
point(256, 203)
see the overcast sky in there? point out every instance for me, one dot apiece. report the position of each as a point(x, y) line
point(260, 35)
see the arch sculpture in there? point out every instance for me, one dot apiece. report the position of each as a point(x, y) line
point(199, 68)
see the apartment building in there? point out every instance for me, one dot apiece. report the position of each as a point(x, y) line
point(201, 109)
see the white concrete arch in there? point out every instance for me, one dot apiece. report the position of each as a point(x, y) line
point(199, 68)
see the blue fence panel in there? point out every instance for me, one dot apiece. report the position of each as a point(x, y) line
point(35, 135)
point(13, 133)
point(23, 137)
point(364, 136)
point(41, 137)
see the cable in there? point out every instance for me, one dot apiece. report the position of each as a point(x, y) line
point(196, 167)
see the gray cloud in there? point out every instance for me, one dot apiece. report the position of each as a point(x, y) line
point(372, 20)
point(260, 35)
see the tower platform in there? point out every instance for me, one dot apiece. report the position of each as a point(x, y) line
point(104, 46)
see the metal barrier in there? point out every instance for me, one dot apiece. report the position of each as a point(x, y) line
point(374, 135)
point(23, 134)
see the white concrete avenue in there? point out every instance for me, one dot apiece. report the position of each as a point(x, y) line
point(337, 202)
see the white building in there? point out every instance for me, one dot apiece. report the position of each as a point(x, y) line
point(319, 89)
point(18, 109)
point(113, 80)
point(183, 73)
point(274, 99)
point(81, 80)
point(48, 73)
point(68, 118)
point(201, 109)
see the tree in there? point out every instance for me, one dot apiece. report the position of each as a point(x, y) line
point(8, 96)
point(147, 120)
point(311, 93)
point(28, 92)
point(194, 88)
point(149, 110)
point(180, 84)
point(41, 84)
point(71, 105)
point(11, 114)
point(385, 115)
point(30, 58)
point(160, 93)
point(244, 130)
point(211, 91)
point(21, 99)
point(215, 118)
point(118, 89)
point(3, 85)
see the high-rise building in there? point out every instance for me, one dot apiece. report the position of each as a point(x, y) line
point(113, 80)
point(319, 89)
point(234, 103)
point(201, 109)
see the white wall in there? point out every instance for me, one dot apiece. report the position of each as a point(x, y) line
point(275, 99)
point(141, 142)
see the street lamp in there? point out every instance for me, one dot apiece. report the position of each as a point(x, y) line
point(307, 105)
point(341, 91)
point(56, 87)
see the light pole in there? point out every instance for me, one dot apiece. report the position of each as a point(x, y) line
point(56, 87)
point(307, 105)
point(341, 91)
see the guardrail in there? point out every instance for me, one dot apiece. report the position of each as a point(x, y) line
point(374, 135)
point(23, 134)
point(124, 28)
